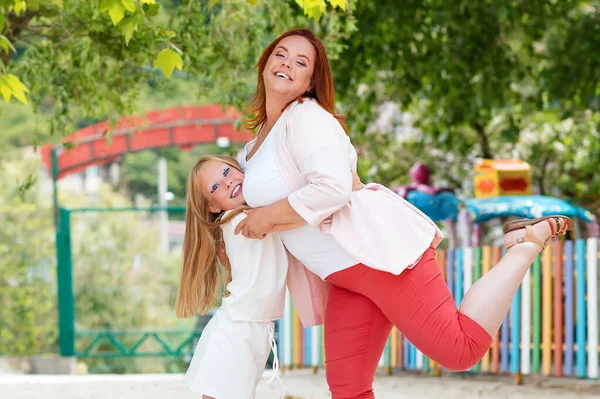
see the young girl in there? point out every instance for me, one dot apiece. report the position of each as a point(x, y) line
point(232, 352)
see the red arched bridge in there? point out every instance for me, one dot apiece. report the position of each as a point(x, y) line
point(182, 127)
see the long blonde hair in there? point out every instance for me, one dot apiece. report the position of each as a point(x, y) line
point(203, 276)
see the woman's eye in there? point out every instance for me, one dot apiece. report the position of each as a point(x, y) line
point(214, 188)
point(300, 63)
point(279, 55)
point(226, 171)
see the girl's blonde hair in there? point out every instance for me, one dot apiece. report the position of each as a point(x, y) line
point(202, 275)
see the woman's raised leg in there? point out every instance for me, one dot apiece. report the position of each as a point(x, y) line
point(419, 303)
point(489, 299)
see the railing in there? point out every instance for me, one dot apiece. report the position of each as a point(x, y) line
point(131, 343)
point(551, 329)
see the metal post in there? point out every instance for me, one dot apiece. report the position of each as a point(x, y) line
point(64, 273)
point(162, 202)
point(54, 158)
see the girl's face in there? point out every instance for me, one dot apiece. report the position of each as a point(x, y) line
point(221, 184)
point(290, 68)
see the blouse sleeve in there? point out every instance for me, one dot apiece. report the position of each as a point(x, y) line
point(244, 253)
point(319, 146)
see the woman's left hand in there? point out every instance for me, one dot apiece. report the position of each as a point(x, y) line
point(257, 224)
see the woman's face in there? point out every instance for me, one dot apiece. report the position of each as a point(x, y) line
point(221, 184)
point(290, 68)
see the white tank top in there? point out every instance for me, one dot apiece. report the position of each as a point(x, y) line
point(264, 185)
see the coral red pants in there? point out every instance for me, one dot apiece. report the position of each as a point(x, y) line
point(363, 305)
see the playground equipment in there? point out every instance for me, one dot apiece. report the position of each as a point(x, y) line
point(503, 190)
point(439, 203)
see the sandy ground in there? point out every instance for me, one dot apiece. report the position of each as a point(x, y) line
point(299, 384)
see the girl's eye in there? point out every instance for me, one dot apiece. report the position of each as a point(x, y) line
point(300, 63)
point(226, 171)
point(214, 188)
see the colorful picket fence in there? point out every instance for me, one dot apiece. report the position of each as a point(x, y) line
point(551, 329)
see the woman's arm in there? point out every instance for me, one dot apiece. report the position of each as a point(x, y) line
point(279, 216)
point(261, 221)
point(320, 148)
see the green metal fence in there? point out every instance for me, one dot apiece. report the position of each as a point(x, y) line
point(112, 342)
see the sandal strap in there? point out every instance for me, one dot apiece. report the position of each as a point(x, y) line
point(563, 226)
point(528, 237)
point(558, 227)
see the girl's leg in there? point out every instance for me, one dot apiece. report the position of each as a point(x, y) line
point(356, 332)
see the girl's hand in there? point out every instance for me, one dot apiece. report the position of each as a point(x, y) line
point(257, 224)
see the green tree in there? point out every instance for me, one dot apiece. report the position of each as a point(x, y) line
point(27, 312)
point(475, 76)
point(121, 280)
point(96, 55)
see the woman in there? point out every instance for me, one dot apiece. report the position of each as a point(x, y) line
point(374, 250)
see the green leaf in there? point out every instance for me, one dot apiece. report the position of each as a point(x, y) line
point(19, 7)
point(167, 60)
point(128, 26)
point(339, 3)
point(34, 4)
point(115, 8)
point(6, 44)
point(11, 86)
point(148, 1)
point(129, 5)
point(212, 3)
point(2, 21)
point(312, 8)
point(151, 10)
point(117, 13)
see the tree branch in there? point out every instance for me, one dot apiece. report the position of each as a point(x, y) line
point(15, 25)
point(540, 184)
point(486, 151)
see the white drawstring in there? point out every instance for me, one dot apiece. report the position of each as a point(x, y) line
point(275, 359)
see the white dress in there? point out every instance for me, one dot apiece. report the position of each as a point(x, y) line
point(234, 347)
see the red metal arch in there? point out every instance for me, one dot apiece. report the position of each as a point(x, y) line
point(183, 127)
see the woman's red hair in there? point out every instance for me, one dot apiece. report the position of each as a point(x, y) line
point(322, 82)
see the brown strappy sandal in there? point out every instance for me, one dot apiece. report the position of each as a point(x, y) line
point(559, 225)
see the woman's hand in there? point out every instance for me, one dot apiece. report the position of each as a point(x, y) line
point(257, 223)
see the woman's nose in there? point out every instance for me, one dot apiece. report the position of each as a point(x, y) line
point(285, 64)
